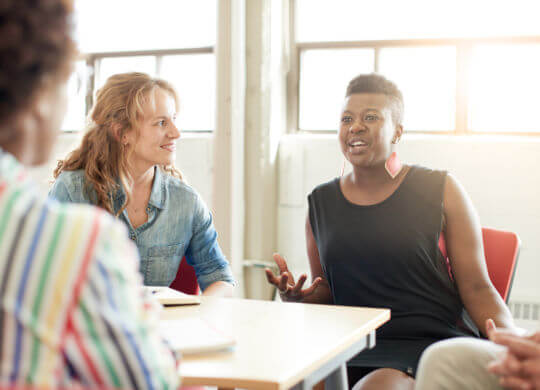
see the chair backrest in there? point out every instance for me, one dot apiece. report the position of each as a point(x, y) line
point(185, 280)
point(501, 250)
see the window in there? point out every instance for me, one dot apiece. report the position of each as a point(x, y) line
point(170, 39)
point(505, 79)
point(459, 64)
point(77, 87)
point(321, 96)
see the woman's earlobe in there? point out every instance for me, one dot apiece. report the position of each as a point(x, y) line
point(398, 134)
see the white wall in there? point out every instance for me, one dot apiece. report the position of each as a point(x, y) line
point(500, 174)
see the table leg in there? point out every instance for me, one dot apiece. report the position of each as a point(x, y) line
point(337, 379)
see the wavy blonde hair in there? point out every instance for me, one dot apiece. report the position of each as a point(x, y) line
point(118, 109)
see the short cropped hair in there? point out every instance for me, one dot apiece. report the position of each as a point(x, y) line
point(375, 83)
point(36, 48)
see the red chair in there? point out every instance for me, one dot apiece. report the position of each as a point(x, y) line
point(501, 250)
point(185, 280)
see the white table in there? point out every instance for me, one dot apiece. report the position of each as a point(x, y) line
point(279, 345)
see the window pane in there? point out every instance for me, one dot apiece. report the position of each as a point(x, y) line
point(109, 66)
point(193, 76)
point(503, 88)
point(349, 20)
point(427, 78)
point(77, 84)
point(124, 25)
point(324, 75)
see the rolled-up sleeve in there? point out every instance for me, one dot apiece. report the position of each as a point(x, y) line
point(204, 253)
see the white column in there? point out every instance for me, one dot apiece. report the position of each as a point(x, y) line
point(228, 173)
point(265, 123)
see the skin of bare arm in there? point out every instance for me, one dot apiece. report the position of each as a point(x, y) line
point(219, 289)
point(465, 249)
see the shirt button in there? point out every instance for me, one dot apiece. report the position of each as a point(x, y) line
point(132, 236)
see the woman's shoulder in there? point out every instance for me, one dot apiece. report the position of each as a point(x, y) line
point(326, 188)
point(426, 182)
point(71, 176)
point(419, 173)
point(178, 189)
point(69, 186)
point(176, 184)
point(107, 231)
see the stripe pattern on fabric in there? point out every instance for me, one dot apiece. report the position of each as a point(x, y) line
point(71, 307)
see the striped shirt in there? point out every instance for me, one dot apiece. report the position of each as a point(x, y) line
point(72, 310)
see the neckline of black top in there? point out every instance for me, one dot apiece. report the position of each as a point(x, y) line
point(337, 183)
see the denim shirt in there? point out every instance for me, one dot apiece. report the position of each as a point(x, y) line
point(179, 223)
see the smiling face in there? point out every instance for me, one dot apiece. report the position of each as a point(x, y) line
point(157, 132)
point(367, 129)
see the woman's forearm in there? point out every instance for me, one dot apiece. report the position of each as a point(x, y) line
point(219, 289)
point(484, 303)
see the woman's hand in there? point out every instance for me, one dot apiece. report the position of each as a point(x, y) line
point(519, 366)
point(492, 330)
point(288, 289)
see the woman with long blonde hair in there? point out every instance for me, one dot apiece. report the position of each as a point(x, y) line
point(125, 164)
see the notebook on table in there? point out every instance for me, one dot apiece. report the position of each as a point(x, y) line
point(193, 335)
point(169, 297)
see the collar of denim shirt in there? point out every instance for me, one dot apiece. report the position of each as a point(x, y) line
point(158, 195)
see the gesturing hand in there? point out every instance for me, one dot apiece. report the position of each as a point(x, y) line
point(288, 289)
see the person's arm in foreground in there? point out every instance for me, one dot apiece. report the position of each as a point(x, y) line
point(112, 337)
point(519, 366)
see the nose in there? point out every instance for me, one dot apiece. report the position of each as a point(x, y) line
point(357, 126)
point(174, 131)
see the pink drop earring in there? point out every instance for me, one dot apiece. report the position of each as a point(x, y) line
point(393, 165)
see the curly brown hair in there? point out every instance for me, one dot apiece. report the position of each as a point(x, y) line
point(36, 48)
point(119, 105)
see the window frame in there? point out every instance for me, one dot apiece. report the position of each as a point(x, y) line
point(92, 65)
point(463, 47)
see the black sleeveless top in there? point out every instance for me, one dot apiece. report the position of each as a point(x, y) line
point(387, 255)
